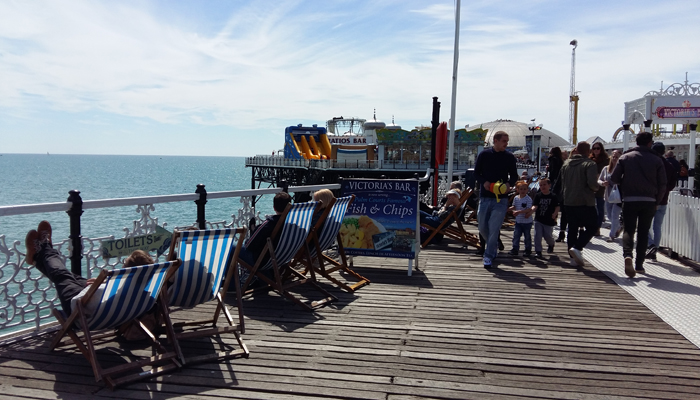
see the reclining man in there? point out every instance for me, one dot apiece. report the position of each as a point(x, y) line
point(70, 288)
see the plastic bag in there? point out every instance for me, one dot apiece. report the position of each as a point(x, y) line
point(614, 196)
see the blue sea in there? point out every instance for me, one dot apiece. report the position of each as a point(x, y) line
point(47, 178)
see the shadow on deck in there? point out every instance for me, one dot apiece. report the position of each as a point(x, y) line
point(453, 330)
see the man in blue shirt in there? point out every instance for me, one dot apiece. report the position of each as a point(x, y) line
point(494, 165)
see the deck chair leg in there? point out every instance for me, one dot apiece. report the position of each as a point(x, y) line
point(169, 330)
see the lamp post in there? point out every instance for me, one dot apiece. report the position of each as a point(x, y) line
point(532, 128)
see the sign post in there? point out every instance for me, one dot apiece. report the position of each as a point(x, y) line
point(383, 219)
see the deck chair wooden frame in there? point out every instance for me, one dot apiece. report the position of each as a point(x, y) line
point(209, 251)
point(293, 229)
point(447, 228)
point(115, 309)
point(329, 224)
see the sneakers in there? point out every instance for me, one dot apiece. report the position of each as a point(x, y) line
point(639, 270)
point(538, 254)
point(651, 253)
point(480, 251)
point(32, 243)
point(609, 239)
point(629, 267)
point(550, 249)
point(487, 262)
point(527, 253)
point(45, 230)
point(513, 252)
point(501, 247)
point(575, 254)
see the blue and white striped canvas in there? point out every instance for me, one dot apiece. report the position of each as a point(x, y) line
point(296, 228)
point(333, 223)
point(205, 255)
point(128, 294)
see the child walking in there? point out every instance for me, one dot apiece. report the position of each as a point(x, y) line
point(522, 210)
point(546, 208)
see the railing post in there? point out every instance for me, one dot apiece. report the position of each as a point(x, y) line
point(74, 213)
point(201, 218)
point(284, 185)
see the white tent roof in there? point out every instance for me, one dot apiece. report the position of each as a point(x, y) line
point(517, 133)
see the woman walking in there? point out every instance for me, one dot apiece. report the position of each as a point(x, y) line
point(556, 160)
point(613, 204)
point(601, 158)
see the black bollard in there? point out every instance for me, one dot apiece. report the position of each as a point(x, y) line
point(74, 213)
point(201, 219)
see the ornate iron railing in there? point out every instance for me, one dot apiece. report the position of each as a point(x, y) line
point(26, 296)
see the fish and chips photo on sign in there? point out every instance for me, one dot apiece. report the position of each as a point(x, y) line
point(383, 219)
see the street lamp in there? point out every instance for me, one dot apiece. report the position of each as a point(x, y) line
point(532, 128)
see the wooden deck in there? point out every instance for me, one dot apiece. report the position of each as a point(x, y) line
point(454, 330)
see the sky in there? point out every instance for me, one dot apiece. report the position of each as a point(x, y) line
point(224, 78)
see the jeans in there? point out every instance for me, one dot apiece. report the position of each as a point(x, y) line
point(600, 207)
point(655, 232)
point(581, 216)
point(613, 210)
point(637, 213)
point(432, 220)
point(67, 284)
point(523, 229)
point(490, 218)
point(543, 231)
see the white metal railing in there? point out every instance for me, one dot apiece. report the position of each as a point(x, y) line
point(680, 230)
point(26, 296)
point(279, 161)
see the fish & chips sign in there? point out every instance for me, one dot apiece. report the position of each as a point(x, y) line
point(383, 219)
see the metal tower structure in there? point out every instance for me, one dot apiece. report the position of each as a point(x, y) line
point(573, 97)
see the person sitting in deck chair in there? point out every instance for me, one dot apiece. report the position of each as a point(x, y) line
point(436, 218)
point(429, 209)
point(326, 196)
point(69, 287)
point(254, 245)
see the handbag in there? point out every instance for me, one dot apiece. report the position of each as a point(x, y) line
point(614, 196)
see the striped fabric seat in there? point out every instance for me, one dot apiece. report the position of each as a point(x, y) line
point(115, 298)
point(329, 226)
point(128, 294)
point(295, 230)
point(295, 227)
point(332, 225)
point(205, 275)
point(205, 255)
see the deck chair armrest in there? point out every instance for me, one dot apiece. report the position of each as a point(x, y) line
point(172, 269)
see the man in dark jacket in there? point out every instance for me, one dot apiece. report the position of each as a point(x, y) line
point(579, 179)
point(641, 176)
point(494, 165)
point(671, 176)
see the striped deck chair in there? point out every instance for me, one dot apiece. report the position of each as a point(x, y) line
point(205, 275)
point(124, 295)
point(293, 229)
point(329, 225)
point(453, 227)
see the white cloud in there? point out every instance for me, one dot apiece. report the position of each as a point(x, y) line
point(275, 63)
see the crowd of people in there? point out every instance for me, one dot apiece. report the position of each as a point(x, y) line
point(580, 189)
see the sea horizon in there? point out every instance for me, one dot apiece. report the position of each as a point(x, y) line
point(39, 179)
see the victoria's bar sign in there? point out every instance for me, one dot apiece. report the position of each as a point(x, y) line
point(678, 112)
